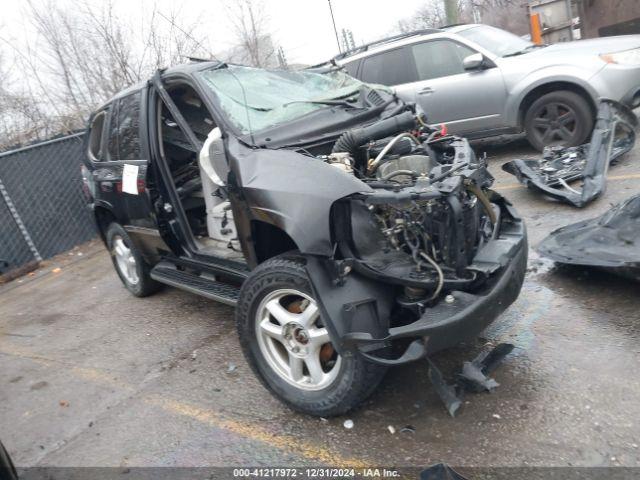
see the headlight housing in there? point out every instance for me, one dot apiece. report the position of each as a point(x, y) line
point(626, 57)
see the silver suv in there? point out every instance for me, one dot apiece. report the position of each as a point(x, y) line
point(482, 81)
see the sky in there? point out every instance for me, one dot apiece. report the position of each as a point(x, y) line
point(302, 27)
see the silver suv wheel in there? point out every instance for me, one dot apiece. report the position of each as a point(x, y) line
point(125, 260)
point(294, 342)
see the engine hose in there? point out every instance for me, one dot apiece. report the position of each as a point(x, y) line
point(484, 200)
point(440, 275)
point(389, 176)
point(352, 140)
point(348, 142)
point(374, 165)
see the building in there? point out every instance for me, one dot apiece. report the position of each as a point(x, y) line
point(604, 18)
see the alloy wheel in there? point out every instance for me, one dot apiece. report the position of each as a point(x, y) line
point(125, 260)
point(555, 123)
point(294, 341)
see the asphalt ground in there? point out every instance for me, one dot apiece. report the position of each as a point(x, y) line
point(91, 376)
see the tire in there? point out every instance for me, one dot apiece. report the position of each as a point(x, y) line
point(136, 279)
point(558, 118)
point(7, 470)
point(344, 382)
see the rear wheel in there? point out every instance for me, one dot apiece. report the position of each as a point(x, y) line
point(128, 262)
point(288, 346)
point(558, 118)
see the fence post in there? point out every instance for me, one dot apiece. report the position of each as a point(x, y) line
point(19, 223)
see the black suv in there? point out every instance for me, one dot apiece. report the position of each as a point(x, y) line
point(349, 234)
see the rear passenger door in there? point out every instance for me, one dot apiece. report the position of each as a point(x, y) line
point(466, 101)
point(124, 171)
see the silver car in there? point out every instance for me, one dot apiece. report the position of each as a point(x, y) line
point(482, 81)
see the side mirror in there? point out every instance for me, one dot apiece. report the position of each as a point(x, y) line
point(473, 62)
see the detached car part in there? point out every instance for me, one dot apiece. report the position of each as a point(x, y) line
point(473, 378)
point(611, 241)
point(613, 136)
point(440, 471)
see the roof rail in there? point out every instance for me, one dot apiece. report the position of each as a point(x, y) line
point(451, 25)
point(365, 47)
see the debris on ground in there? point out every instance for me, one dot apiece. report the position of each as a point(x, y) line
point(440, 471)
point(473, 378)
point(610, 242)
point(613, 136)
point(63, 403)
point(56, 270)
point(392, 429)
point(348, 424)
point(231, 367)
point(408, 429)
point(474, 373)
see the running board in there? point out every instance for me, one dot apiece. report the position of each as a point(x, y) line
point(168, 274)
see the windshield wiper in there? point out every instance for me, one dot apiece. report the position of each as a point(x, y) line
point(524, 50)
point(344, 103)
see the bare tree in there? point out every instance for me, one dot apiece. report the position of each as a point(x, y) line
point(507, 14)
point(510, 15)
point(254, 43)
point(78, 59)
point(430, 15)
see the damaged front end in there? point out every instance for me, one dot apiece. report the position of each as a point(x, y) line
point(613, 136)
point(428, 255)
point(610, 242)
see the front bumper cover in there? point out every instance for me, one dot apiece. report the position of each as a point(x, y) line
point(357, 313)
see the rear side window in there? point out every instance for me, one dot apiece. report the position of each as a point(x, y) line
point(95, 136)
point(439, 58)
point(124, 129)
point(388, 68)
point(352, 68)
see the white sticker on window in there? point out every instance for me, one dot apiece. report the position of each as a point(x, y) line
point(130, 179)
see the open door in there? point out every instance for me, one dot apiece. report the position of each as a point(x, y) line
point(186, 135)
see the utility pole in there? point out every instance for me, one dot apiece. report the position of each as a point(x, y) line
point(282, 59)
point(347, 40)
point(334, 27)
point(451, 11)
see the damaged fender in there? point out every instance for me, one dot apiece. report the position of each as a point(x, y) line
point(292, 191)
point(613, 136)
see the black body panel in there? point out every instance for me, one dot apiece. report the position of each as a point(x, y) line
point(292, 191)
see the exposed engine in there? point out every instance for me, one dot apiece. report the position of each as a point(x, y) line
point(429, 214)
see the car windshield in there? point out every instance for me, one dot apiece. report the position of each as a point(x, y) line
point(254, 99)
point(497, 41)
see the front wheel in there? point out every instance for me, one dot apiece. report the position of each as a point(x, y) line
point(286, 343)
point(558, 118)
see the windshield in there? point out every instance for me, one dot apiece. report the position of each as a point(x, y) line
point(498, 42)
point(254, 99)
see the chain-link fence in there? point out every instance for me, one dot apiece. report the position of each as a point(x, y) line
point(42, 209)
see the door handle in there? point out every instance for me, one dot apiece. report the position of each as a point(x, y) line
point(426, 91)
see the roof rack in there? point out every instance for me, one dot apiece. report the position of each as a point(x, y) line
point(451, 25)
point(365, 47)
